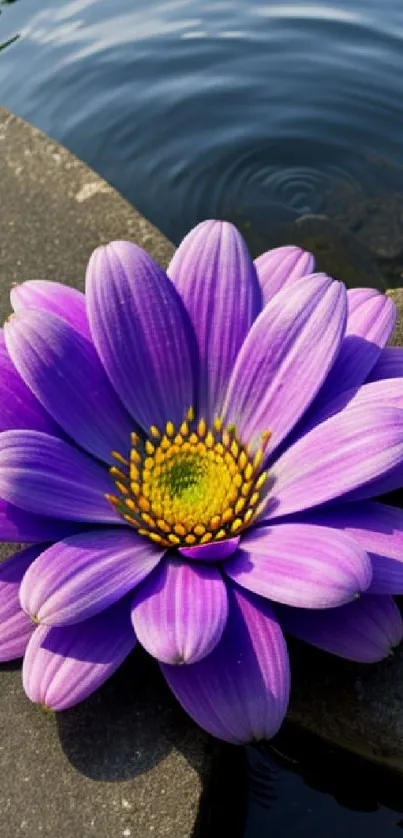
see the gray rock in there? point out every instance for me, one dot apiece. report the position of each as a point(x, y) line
point(337, 251)
point(358, 707)
point(55, 211)
point(396, 295)
point(381, 226)
point(127, 763)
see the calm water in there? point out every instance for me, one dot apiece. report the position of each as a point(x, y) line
point(299, 787)
point(249, 109)
point(259, 111)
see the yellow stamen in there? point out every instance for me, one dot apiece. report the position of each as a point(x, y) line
point(119, 458)
point(199, 529)
point(236, 525)
point(202, 428)
point(189, 486)
point(122, 488)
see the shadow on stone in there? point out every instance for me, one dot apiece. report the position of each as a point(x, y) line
point(128, 726)
point(10, 666)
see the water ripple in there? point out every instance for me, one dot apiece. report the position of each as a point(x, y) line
point(261, 110)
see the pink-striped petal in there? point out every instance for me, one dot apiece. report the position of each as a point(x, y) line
point(15, 627)
point(280, 267)
point(302, 565)
point(386, 392)
point(62, 369)
point(216, 278)
point(282, 364)
point(142, 333)
point(366, 631)
point(379, 530)
point(47, 476)
point(179, 612)
point(63, 666)
point(86, 573)
point(347, 451)
point(19, 408)
point(240, 691)
point(55, 298)
point(370, 323)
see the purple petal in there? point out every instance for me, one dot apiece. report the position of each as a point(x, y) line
point(366, 630)
point(17, 525)
point(240, 692)
point(349, 450)
point(54, 297)
point(179, 612)
point(15, 627)
point(216, 278)
point(280, 267)
point(63, 370)
point(217, 551)
point(282, 364)
point(370, 323)
point(63, 666)
point(46, 475)
point(389, 364)
point(379, 530)
point(301, 565)
point(143, 334)
point(18, 406)
point(86, 573)
point(387, 392)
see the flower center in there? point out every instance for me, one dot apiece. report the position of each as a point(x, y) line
point(190, 485)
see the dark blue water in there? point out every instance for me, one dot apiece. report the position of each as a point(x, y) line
point(240, 108)
point(299, 787)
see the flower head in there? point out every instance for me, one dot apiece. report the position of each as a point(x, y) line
point(192, 457)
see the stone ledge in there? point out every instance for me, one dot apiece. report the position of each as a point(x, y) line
point(128, 762)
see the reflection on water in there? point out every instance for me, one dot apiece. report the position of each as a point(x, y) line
point(262, 111)
point(299, 787)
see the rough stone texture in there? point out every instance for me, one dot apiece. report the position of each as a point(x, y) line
point(358, 707)
point(337, 251)
point(54, 211)
point(397, 296)
point(354, 706)
point(127, 763)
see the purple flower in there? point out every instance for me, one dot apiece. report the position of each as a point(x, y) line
point(192, 458)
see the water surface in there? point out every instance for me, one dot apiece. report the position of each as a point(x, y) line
point(262, 111)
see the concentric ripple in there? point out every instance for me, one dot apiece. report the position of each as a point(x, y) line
point(259, 110)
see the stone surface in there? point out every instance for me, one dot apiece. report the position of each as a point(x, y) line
point(358, 707)
point(127, 763)
point(54, 211)
point(337, 251)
